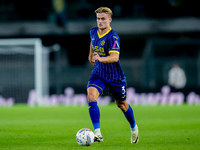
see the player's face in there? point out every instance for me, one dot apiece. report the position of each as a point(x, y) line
point(103, 21)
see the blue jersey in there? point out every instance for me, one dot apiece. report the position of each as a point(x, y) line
point(104, 45)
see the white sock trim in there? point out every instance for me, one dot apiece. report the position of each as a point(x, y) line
point(98, 130)
point(135, 128)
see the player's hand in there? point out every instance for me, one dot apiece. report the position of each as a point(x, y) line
point(93, 60)
point(96, 57)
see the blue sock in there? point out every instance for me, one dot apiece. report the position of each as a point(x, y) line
point(94, 114)
point(130, 116)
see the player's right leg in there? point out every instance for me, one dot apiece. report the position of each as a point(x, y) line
point(94, 112)
point(94, 88)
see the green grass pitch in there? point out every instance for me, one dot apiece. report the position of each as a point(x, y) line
point(54, 128)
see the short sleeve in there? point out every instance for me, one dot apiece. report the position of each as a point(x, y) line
point(114, 45)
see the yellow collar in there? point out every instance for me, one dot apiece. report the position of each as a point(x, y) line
point(100, 36)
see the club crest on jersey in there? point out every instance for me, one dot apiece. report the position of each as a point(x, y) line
point(115, 45)
point(102, 43)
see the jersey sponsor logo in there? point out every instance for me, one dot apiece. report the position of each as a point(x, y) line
point(99, 50)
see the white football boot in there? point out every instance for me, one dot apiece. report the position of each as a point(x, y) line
point(97, 137)
point(135, 135)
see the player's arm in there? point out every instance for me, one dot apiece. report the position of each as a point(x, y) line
point(112, 58)
point(91, 54)
point(114, 50)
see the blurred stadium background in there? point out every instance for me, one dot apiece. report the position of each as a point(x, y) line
point(154, 34)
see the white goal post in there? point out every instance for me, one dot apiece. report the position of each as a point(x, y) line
point(40, 73)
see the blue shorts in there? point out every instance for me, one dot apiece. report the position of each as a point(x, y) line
point(117, 90)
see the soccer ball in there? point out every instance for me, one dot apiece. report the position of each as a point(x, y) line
point(85, 137)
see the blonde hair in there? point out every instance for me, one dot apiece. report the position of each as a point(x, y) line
point(104, 10)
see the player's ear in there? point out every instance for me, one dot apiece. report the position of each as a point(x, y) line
point(110, 19)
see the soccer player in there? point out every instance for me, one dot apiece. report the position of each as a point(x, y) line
point(107, 72)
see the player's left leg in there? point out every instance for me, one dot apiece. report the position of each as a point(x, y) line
point(119, 93)
point(128, 113)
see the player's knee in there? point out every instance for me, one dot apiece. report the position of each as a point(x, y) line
point(121, 106)
point(91, 97)
point(92, 94)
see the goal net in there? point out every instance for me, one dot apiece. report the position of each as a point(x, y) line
point(24, 67)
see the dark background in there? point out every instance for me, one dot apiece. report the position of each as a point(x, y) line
point(171, 27)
